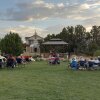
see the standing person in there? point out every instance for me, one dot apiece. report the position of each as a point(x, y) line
point(57, 58)
point(1, 63)
point(4, 62)
point(68, 55)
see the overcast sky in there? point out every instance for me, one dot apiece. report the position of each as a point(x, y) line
point(46, 16)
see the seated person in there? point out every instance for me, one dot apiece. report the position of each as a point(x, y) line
point(74, 64)
point(99, 58)
point(52, 60)
point(57, 59)
point(19, 60)
point(11, 62)
point(82, 62)
point(91, 63)
point(96, 62)
point(27, 58)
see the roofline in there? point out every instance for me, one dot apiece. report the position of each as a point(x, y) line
point(54, 44)
point(46, 43)
point(32, 36)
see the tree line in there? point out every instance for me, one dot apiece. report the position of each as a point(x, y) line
point(79, 40)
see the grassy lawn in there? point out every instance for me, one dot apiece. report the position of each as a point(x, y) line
point(40, 81)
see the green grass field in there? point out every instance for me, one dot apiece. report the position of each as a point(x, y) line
point(40, 81)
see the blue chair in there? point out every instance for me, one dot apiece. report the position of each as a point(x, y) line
point(82, 63)
point(74, 65)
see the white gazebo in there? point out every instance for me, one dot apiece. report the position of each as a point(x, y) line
point(33, 46)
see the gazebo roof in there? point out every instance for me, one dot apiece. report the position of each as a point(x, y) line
point(55, 42)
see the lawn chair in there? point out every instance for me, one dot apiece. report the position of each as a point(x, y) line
point(11, 63)
point(51, 60)
point(82, 65)
point(74, 65)
point(20, 61)
point(90, 65)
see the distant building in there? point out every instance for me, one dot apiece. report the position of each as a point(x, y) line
point(55, 45)
point(33, 44)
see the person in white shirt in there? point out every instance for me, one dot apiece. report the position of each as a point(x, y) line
point(96, 61)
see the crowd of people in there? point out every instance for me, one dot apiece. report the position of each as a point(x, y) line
point(76, 63)
point(11, 61)
point(85, 63)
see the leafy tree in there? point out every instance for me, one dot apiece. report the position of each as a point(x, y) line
point(79, 40)
point(92, 47)
point(48, 37)
point(97, 53)
point(63, 35)
point(95, 32)
point(80, 32)
point(11, 44)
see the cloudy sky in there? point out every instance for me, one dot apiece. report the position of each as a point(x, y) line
point(46, 16)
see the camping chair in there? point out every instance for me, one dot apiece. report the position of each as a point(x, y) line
point(74, 65)
point(82, 64)
point(51, 60)
point(90, 65)
point(20, 61)
point(11, 63)
point(96, 66)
